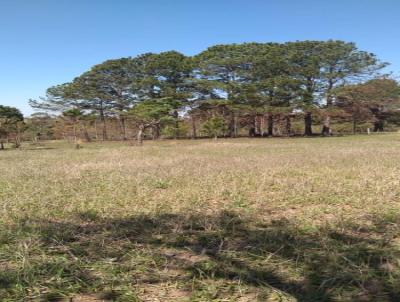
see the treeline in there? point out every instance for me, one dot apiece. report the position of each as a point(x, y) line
point(255, 89)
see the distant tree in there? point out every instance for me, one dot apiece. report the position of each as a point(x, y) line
point(376, 99)
point(276, 89)
point(39, 125)
point(112, 89)
point(321, 66)
point(170, 74)
point(73, 116)
point(227, 70)
point(60, 99)
point(215, 126)
point(153, 114)
point(85, 89)
point(175, 131)
point(11, 122)
point(80, 94)
point(342, 63)
point(57, 99)
point(250, 85)
point(304, 63)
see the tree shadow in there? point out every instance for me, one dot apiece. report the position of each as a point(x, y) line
point(350, 262)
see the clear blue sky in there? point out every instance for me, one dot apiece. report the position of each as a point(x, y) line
point(48, 42)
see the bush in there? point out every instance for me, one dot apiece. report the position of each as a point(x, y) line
point(214, 127)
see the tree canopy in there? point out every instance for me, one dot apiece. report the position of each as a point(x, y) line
point(249, 85)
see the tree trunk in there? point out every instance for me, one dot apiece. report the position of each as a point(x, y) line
point(1, 145)
point(258, 125)
point(194, 130)
point(155, 132)
point(288, 125)
point(308, 124)
point(326, 127)
point(176, 131)
point(253, 127)
point(103, 121)
point(235, 127)
point(378, 126)
point(122, 124)
point(231, 127)
point(76, 141)
point(18, 139)
point(17, 142)
point(96, 131)
point(86, 133)
point(74, 131)
point(354, 126)
point(270, 125)
point(140, 135)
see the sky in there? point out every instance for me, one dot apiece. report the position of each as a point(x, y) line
point(49, 42)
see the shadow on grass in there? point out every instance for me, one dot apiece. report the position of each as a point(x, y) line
point(349, 262)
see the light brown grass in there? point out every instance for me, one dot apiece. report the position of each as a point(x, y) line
point(311, 186)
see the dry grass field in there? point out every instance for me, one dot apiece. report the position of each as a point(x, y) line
point(302, 219)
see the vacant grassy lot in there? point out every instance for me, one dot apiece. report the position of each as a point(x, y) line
point(233, 220)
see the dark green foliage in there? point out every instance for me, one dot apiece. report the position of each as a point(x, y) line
point(11, 113)
point(214, 127)
point(155, 111)
point(377, 100)
point(11, 124)
point(251, 81)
